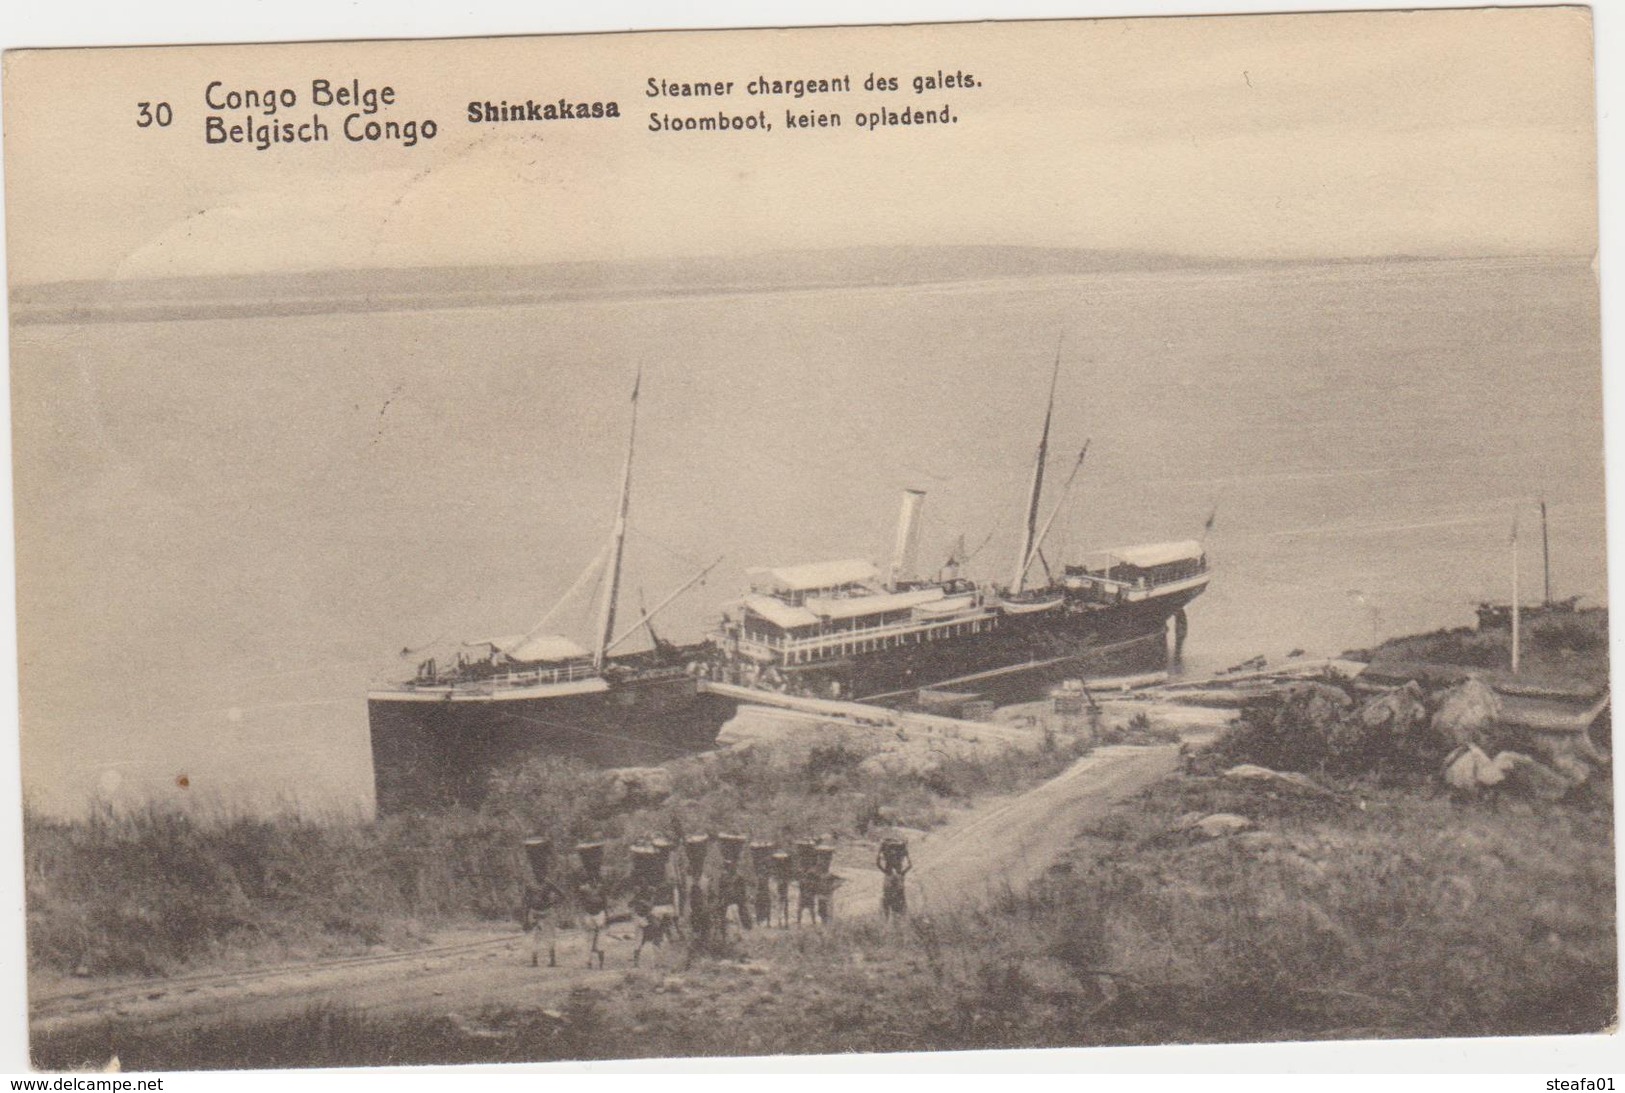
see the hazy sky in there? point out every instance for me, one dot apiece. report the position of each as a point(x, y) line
point(1468, 132)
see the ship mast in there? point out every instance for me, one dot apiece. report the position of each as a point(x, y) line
point(1060, 502)
point(612, 588)
point(1030, 529)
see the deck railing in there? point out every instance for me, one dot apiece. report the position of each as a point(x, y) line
point(1111, 590)
point(768, 644)
point(568, 674)
point(512, 680)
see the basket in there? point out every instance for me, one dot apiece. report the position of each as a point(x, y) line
point(539, 856)
point(592, 858)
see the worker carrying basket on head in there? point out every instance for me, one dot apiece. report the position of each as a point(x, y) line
point(761, 869)
point(816, 882)
point(779, 867)
point(892, 860)
point(732, 891)
point(670, 876)
point(803, 868)
point(697, 899)
point(652, 912)
point(592, 902)
point(542, 901)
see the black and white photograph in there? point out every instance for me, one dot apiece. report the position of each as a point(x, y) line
point(935, 537)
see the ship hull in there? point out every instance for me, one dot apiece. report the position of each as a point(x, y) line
point(438, 754)
point(444, 753)
point(1017, 661)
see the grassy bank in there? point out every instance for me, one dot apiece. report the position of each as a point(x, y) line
point(1374, 907)
point(1557, 647)
point(155, 892)
point(1408, 917)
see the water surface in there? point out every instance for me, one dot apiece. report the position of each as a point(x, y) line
point(226, 528)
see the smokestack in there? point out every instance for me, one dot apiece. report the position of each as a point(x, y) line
point(908, 538)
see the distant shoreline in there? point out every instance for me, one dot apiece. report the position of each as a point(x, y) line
point(334, 292)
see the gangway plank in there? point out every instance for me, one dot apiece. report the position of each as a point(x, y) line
point(859, 713)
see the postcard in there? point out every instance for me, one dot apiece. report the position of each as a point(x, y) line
point(865, 539)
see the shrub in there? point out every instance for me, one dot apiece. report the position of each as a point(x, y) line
point(830, 767)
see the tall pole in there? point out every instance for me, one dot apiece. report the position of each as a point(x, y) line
point(1545, 554)
point(1515, 608)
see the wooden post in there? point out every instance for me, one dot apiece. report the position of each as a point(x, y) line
point(1545, 554)
point(1515, 609)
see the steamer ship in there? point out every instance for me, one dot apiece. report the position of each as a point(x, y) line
point(843, 629)
point(837, 629)
point(438, 737)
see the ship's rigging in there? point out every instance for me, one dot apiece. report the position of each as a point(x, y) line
point(601, 582)
point(1034, 536)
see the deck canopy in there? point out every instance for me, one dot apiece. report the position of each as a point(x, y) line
point(779, 613)
point(530, 649)
point(850, 607)
point(1151, 555)
point(815, 575)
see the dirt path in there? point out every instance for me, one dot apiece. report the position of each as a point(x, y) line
point(1011, 841)
point(1008, 840)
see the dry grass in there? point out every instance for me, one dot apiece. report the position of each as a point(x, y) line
point(1409, 917)
point(1387, 911)
point(153, 892)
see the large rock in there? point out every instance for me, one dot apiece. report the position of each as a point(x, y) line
point(902, 763)
point(633, 787)
point(1562, 756)
point(1396, 713)
point(1321, 706)
point(1290, 781)
point(1217, 825)
point(1468, 769)
point(1571, 754)
point(1533, 777)
point(1335, 697)
point(1467, 713)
